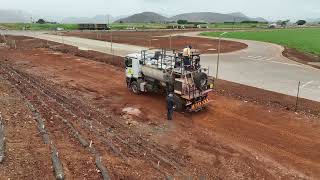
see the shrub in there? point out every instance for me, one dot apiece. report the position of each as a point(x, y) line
point(41, 21)
point(182, 22)
point(250, 22)
point(301, 22)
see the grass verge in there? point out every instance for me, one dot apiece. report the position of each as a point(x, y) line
point(305, 40)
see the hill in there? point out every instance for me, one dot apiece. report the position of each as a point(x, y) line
point(16, 16)
point(145, 17)
point(98, 19)
point(208, 17)
point(211, 17)
point(259, 19)
point(238, 14)
point(314, 20)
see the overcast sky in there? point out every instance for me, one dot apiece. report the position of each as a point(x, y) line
point(270, 9)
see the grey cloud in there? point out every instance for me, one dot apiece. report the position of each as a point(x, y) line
point(271, 9)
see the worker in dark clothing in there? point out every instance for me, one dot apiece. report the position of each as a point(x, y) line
point(170, 106)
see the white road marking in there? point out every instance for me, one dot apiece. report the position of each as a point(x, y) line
point(255, 57)
point(306, 84)
point(252, 59)
point(269, 60)
point(290, 64)
point(265, 59)
point(259, 58)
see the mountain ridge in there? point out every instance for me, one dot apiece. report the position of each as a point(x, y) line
point(144, 17)
point(209, 17)
point(18, 16)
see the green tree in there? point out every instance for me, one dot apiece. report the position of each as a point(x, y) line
point(283, 23)
point(41, 21)
point(301, 22)
point(182, 21)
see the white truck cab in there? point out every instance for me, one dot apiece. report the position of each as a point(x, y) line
point(133, 65)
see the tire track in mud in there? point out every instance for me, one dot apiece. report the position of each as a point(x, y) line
point(56, 162)
point(57, 166)
point(77, 105)
point(120, 140)
point(59, 133)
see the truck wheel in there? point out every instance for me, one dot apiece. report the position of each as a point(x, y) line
point(201, 81)
point(135, 87)
point(178, 104)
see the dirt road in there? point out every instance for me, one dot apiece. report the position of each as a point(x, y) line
point(81, 102)
point(161, 39)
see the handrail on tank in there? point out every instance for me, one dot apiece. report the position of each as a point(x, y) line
point(165, 58)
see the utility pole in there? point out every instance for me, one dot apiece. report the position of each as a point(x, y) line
point(150, 40)
point(298, 93)
point(219, 50)
point(108, 20)
point(30, 23)
point(111, 35)
point(234, 22)
point(170, 42)
point(62, 39)
point(111, 41)
point(218, 60)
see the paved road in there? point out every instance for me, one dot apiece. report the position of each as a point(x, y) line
point(260, 65)
point(82, 43)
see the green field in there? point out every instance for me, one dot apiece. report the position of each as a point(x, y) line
point(37, 27)
point(121, 26)
point(238, 25)
point(164, 26)
point(115, 26)
point(305, 40)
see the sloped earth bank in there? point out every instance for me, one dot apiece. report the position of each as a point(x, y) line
point(81, 102)
point(156, 39)
point(304, 58)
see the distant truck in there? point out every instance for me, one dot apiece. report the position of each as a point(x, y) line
point(93, 27)
point(165, 73)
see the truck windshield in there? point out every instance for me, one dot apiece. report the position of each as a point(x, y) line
point(128, 62)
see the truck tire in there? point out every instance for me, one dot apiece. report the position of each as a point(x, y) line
point(178, 104)
point(135, 87)
point(201, 81)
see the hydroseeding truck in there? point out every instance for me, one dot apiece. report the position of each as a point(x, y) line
point(163, 71)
